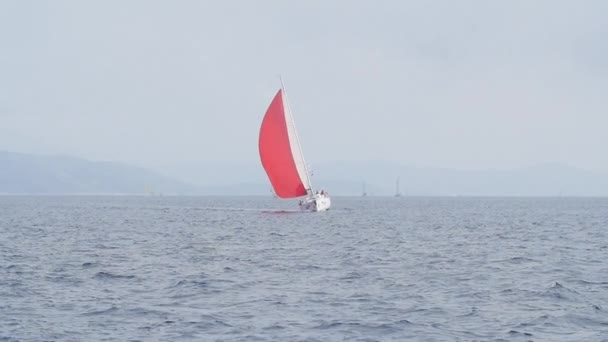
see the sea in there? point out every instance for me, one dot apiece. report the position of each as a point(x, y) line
point(120, 268)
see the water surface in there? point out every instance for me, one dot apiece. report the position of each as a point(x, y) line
point(247, 269)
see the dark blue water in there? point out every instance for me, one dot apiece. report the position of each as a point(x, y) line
point(372, 269)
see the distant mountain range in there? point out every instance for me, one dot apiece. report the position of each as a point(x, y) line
point(43, 174)
point(36, 174)
point(538, 180)
point(380, 177)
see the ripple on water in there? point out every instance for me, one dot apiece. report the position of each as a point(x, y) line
point(110, 276)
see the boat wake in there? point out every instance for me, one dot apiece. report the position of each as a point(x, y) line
point(260, 210)
point(282, 211)
point(266, 210)
point(228, 209)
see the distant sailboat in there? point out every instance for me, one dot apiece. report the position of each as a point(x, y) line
point(149, 191)
point(363, 193)
point(282, 158)
point(397, 192)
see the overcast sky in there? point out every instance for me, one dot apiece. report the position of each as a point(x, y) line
point(463, 84)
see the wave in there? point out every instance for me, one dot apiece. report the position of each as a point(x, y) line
point(107, 275)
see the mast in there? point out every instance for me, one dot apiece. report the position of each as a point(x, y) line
point(397, 194)
point(286, 101)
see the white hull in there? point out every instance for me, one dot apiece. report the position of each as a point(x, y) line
point(315, 203)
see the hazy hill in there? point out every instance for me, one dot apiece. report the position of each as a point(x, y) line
point(538, 180)
point(347, 178)
point(24, 173)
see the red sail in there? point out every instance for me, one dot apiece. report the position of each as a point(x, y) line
point(279, 150)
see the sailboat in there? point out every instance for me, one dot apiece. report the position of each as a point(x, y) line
point(282, 157)
point(397, 192)
point(364, 193)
